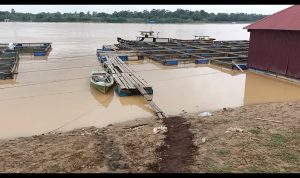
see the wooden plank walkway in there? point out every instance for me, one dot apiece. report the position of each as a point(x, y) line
point(124, 76)
point(159, 113)
point(129, 82)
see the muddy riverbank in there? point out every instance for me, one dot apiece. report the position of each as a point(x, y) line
point(255, 138)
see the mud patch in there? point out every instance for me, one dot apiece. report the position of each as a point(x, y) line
point(178, 148)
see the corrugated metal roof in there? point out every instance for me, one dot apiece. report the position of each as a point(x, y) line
point(287, 19)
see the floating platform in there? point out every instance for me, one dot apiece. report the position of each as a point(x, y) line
point(201, 61)
point(9, 61)
point(9, 55)
point(128, 81)
point(175, 51)
point(37, 49)
point(170, 62)
point(3, 46)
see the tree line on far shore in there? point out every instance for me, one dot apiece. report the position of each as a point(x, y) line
point(153, 16)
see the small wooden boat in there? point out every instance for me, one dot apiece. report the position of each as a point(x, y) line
point(101, 80)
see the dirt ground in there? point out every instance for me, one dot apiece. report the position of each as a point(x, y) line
point(257, 138)
point(269, 145)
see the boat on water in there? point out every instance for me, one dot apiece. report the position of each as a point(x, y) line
point(145, 36)
point(101, 80)
point(204, 38)
point(148, 37)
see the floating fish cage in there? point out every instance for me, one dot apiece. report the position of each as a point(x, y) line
point(170, 62)
point(3, 46)
point(124, 58)
point(171, 59)
point(231, 62)
point(9, 55)
point(201, 61)
point(8, 64)
point(226, 53)
point(38, 49)
point(159, 52)
point(102, 59)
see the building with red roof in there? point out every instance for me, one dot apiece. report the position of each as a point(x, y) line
point(275, 43)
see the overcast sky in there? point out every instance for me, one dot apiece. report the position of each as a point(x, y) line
point(258, 9)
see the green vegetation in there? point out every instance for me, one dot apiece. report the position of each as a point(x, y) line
point(256, 169)
point(255, 130)
point(155, 15)
point(224, 169)
point(287, 156)
point(278, 140)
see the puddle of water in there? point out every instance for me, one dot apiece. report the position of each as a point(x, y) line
point(54, 92)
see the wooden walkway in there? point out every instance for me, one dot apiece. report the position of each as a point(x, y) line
point(123, 75)
point(129, 82)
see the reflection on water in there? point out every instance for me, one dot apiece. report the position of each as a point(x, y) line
point(31, 57)
point(54, 92)
point(136, 101)
point(8, 82)
point(103, 99)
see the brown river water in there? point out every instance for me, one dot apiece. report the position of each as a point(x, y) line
point(54, 93)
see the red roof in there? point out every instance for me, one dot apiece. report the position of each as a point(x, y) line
point(287, 19)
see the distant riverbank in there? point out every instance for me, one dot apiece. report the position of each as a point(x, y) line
point(245, 22)
point(153, 16)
